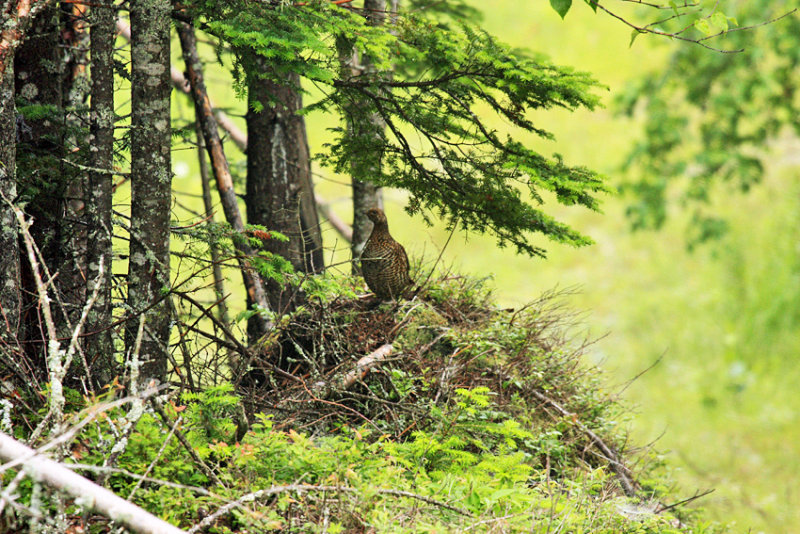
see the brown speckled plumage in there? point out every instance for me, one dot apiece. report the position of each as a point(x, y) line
point(384, 261)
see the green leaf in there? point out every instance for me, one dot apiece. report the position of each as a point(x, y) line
point(703, 26)
point(720, 21)
point(561, 6)
point(474, 501)
point(674, 6)
point(634, 34)
point(592, 4)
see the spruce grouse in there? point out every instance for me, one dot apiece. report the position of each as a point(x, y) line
point(384, 262)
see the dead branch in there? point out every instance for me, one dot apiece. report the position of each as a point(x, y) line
point(344, 229)
point(185, 442)
point(85, 492)
point(55, 362)
point(340, 382)
point(219, 165)
point(614, 461)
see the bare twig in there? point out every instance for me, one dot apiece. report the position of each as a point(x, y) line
point(156, 458)
point(136, 476)
point(610, 455)
point(55, 355)
point(649, 28)
point(697, 495)
point(186, 445)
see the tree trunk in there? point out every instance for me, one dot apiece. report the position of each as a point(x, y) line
point(151, 178)
point(99, 344)
point(280, 192)
point(74, 45)
point(9, 258)
point(17, 18)
point(41, 178)
point(366, 195)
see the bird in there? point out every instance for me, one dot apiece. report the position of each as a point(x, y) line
point(384, 262)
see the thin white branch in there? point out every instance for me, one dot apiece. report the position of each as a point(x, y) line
point(136, 476)
point(363, 367)
point(86, 493)
point(55, 354)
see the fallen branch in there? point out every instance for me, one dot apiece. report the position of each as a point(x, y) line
point(250, 497)
point(85, 492)
point(323, 390)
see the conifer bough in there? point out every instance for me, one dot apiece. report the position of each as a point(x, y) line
point(451, 160)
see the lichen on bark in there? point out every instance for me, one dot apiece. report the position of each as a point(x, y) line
point(151, 177)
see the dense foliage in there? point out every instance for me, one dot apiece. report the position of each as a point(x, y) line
point(439, 144)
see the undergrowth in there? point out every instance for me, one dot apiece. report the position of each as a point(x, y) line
point(477, 419)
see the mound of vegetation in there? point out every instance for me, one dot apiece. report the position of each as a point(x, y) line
point(436, 414)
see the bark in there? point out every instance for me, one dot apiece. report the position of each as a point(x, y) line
point(366, 195)
point(99, 344)
point(219, 164)
point(151, 176)
point(9, 258)
point(17, 18)
point(280, 193)
point(85, 492)
point(41, 178)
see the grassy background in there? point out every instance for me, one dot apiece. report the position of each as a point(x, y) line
point(722, 401)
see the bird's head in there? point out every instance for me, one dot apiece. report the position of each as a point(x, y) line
point(377, 216)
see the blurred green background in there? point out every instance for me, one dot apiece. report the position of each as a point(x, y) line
point(722, 403)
